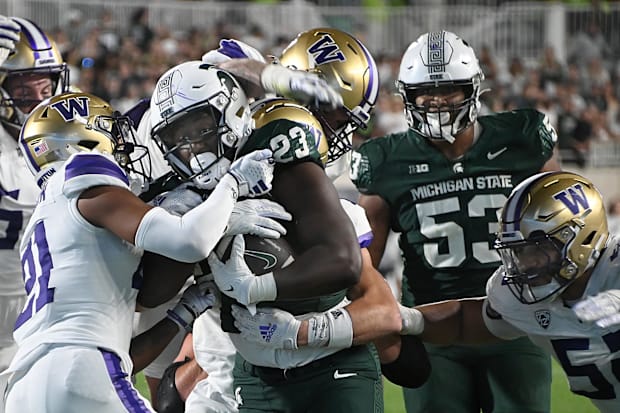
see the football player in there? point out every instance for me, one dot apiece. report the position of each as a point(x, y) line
point(440, 184)
point(81, 253)
point(271, 374)
point(558, 285)
point(32, 72)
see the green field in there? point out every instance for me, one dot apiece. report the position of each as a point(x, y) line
point(562, 400)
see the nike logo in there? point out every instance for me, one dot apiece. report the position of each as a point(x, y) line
point(493, 155)
point(338, 375)
point(229, 289)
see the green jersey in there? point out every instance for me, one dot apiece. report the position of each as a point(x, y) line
point(446, 210)
point(293, 140)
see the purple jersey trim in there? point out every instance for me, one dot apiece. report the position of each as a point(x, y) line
point(94, 165)
point(365, 239)
point(124, 389)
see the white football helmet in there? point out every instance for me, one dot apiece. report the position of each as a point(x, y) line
point(200, 119)
point(553, 229)
point(440, 59)
point(35, 53)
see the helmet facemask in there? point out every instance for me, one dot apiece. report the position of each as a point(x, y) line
point(532, 267)
point(445, 121)
point(198, 144)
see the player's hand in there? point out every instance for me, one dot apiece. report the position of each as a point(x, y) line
point(232, 49)
point(179, 200)
point(258, 217)
point(235, 279)
point(302, 86)
point(603, 308)
point(270, 327)
point(254, 173)
point(9, 35)
point(196, 299)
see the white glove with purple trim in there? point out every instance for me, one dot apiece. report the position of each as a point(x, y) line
point(270, 327)
point(603, 308)
point(258, 217)
point(9, 35)
point(254, 173)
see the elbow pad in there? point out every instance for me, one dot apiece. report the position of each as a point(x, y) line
point(168, 398)
point(412, 367)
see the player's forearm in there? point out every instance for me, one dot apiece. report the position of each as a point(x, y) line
point(148, 345)
point(455, 322)
point(320, 270)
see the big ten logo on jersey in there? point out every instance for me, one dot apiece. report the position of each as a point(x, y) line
point(72, 107)
point(573, 197)
point(325, 50)
point(419, 168)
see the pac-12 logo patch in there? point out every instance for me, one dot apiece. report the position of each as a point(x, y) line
point(543, 317)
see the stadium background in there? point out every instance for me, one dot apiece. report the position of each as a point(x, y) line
point(560, 57)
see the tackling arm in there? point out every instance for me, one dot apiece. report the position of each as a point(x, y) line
point(328, 257)
point(378, 214)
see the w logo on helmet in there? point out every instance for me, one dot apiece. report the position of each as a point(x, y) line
point(71, 107)
point(325, 50)
point(573, 198)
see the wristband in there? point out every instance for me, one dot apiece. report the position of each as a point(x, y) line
point(412, 319)
point(263, 288)
point(332, 329)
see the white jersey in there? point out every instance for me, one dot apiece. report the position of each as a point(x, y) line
point(281, 358)
point(81, 280)
point(18, 197)
point(589, 354)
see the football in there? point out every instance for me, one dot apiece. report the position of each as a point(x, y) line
point(262, 255)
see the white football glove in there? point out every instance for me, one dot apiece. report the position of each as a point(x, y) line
point(603, 308)
point(232, 49)
point(180, 200)
point(196, 299)
point(254, 173)
point(302, 86)
point(235, 279)
point(9, 35)
point(269, 327)
point(257, 217)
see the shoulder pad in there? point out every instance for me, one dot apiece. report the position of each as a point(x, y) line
point(85, 170)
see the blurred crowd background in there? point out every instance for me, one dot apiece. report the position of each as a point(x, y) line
point(562, 58)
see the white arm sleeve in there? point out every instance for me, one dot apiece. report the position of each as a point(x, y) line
point(189, 238)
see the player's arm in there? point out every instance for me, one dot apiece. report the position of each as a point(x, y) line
point(553, 164)
point(452, 322)
point(329, 257)
point(378, 213)
point(148, 345)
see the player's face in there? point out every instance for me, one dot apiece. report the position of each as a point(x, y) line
point(29, 90)
point(192, 134)
point(439, 98)
point(536, 262)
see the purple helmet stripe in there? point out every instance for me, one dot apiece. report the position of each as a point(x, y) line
point(128, 395)
point(373, 84)
point(37, 39)
point(94, 164)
